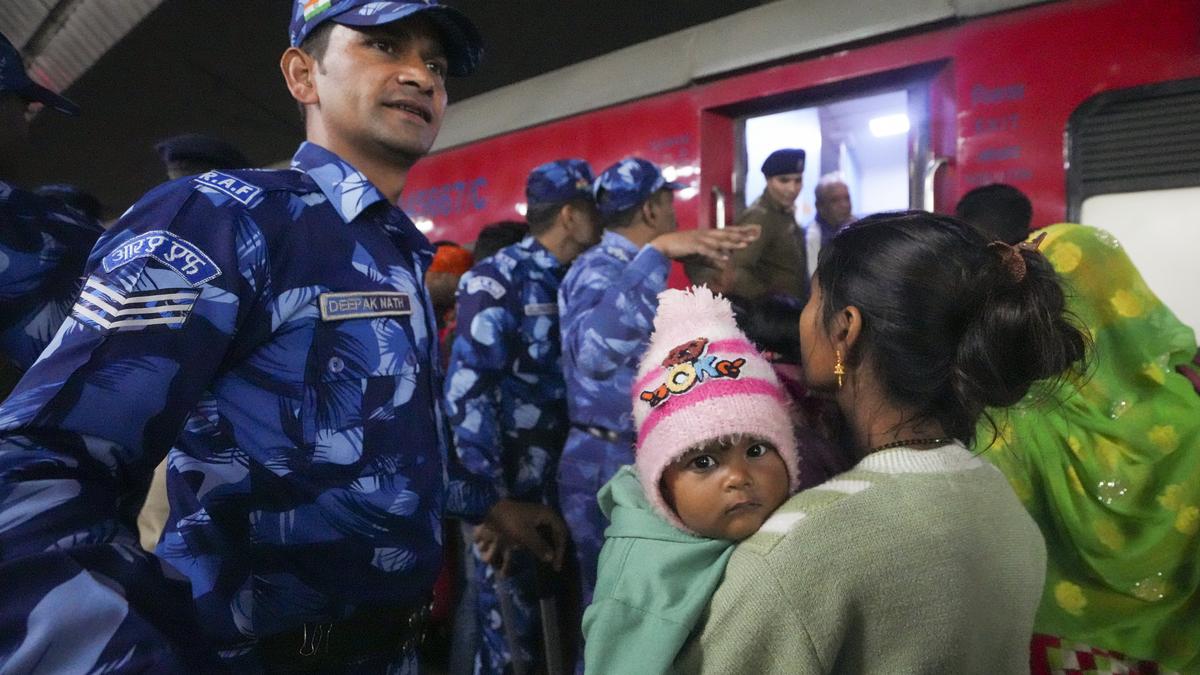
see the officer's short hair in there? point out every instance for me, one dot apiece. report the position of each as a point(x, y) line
point(625, 218)
point(315, 45)
point(621, 219)
point(541, 216)
point(317, 42)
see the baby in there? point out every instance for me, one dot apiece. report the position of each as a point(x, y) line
point(716, 455)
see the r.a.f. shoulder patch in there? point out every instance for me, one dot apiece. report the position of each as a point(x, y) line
point(487, 285)
point(171, 250)
point(234, 187)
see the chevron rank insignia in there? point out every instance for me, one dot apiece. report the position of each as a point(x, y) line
point(108, 309)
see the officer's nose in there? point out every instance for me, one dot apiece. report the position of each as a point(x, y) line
point(415, 73)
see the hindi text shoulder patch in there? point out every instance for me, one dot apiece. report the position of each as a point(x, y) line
point(171, 250)
point(364, 305)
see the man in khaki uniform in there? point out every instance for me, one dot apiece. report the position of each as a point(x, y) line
point(773, 263)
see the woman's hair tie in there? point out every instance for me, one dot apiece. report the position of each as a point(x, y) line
point(1011, 258)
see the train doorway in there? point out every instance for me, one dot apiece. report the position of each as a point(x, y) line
point(863, 141)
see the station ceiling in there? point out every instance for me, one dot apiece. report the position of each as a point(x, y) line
point(211, 66)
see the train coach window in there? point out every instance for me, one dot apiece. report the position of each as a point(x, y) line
point(1134, 170)
point(865, 139)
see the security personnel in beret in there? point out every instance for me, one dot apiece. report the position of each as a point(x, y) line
point(774, 263)
point(506, 399)
point(192, 154)
point(43, 242)
point(269, 332)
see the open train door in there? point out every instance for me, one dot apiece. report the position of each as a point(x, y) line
point(889, 137)
point(1133, 168)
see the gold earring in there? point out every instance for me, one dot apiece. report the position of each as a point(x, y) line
point(838, 368)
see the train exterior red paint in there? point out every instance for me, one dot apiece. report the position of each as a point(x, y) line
point(1000, 90)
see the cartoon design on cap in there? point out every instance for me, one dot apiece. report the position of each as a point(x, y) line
point(687, 365)
point(686, 352)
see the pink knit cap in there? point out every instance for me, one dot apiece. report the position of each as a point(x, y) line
point(700, 380)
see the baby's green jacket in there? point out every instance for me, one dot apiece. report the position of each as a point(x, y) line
point(653, 583)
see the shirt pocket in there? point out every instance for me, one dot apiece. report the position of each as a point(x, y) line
point(539, 339)
point(361, 368)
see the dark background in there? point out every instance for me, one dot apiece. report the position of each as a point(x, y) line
point(211, 66)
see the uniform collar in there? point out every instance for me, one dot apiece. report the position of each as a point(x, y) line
point(619, 241)
point(531, 244)
point(348, 190)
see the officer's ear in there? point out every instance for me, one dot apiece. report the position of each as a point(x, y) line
point(649, 214)
point(565, 214)
point(298, 68)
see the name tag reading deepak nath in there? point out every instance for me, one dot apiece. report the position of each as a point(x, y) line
point(364, 305)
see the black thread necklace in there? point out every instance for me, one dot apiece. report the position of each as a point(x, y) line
point(910, 441)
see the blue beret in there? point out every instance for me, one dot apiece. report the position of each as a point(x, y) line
point(627, 184)
point(788, 160)
point(460, 37)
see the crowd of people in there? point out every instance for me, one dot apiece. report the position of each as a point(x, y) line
point(259, 423)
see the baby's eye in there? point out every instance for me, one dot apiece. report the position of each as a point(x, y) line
point(757, 450)
point(703, 462)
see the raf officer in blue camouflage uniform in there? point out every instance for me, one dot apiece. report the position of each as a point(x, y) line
point(270, 330)
point(43, 243)
point(606, 305)
point(506, 400)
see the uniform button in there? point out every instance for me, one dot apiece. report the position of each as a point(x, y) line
point(336, 364)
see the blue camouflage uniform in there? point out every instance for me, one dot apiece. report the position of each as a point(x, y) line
point(269, 329)
point(506, 400)
point(505, 394)
point(44, 245)
point(606, 304)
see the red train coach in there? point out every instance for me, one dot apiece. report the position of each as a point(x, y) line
point(1092, 107)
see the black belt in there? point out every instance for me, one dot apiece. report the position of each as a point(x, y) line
point(607, 434)
point(334, 644)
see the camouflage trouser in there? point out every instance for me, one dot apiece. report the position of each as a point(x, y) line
point(498, 621)
point(587, 464)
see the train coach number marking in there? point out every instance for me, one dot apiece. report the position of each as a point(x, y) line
point(448, 199)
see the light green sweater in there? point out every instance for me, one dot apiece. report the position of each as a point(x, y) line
point(912, 562)
point(653, 583)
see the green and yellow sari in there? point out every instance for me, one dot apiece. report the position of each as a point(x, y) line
point(1109, 466)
